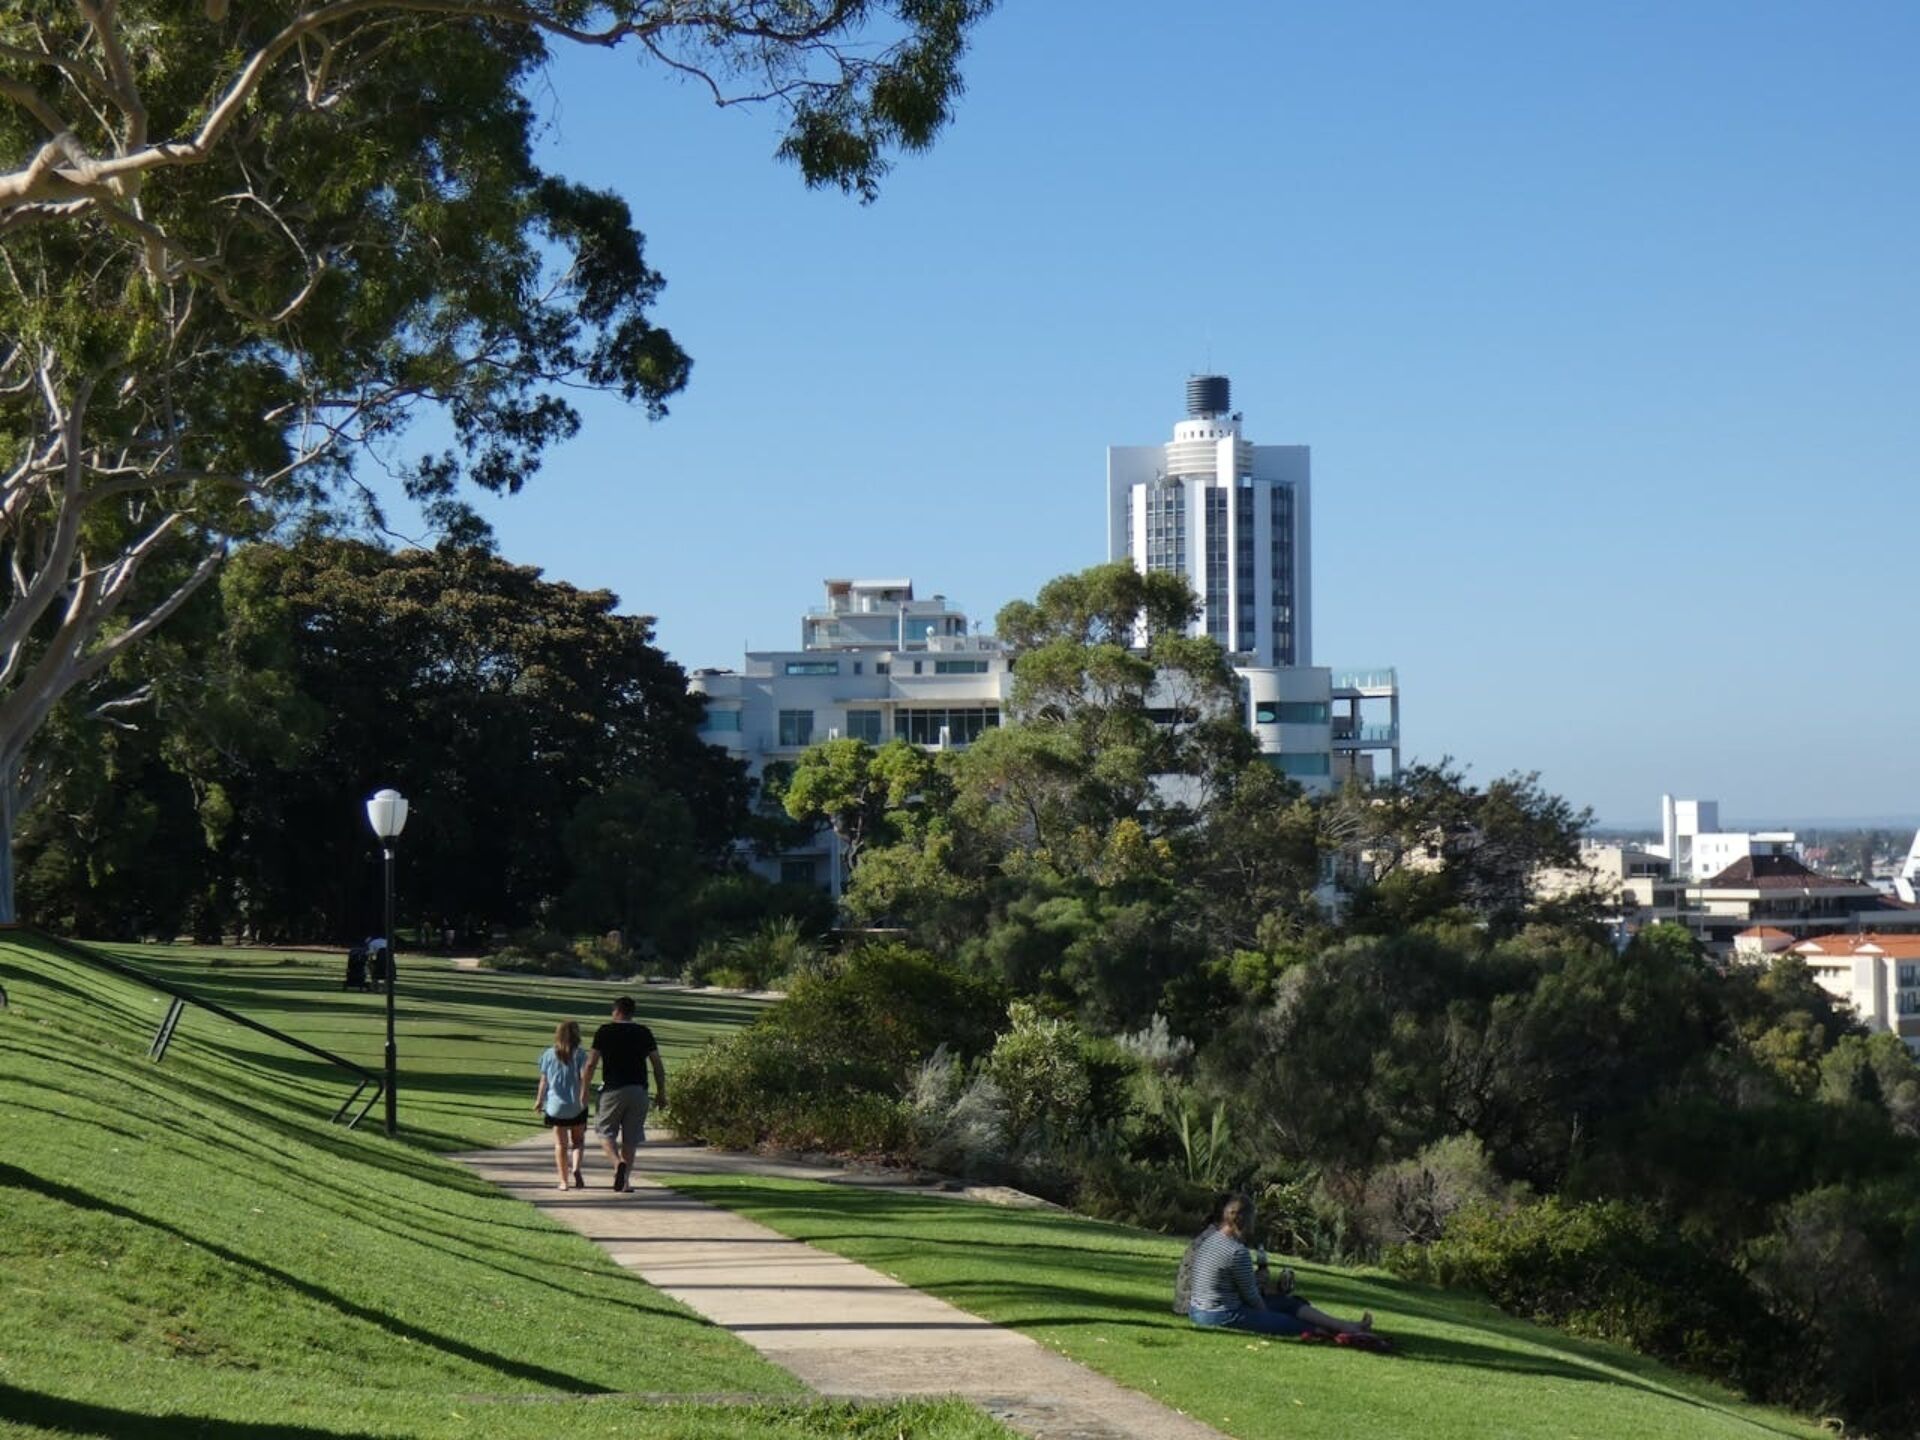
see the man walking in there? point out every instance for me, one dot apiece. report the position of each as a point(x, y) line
point(625, 1048)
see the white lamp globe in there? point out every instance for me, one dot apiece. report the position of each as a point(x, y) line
point(387, 813)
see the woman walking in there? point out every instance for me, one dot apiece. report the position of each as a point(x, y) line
point(562, 1101)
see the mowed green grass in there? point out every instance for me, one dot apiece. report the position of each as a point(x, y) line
point(189, 1249)
point(1099, 1294)
point(466, 1039)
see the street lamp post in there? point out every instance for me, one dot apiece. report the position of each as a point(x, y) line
point(387, 813)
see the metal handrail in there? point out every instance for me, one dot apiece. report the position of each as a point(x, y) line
point(163, 1036)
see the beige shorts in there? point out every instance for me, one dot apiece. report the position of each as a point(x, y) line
point(622, 1117)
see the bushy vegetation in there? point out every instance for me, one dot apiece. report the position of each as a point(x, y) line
point(1623, 1145)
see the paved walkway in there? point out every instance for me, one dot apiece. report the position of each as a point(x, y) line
point(840, 1327)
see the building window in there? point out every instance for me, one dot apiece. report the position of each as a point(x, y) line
point(963, 726)
point(1291, 712)
point(1300, 764)
point(864, 725)
point(813, 667)
point(959, 667)
point(1910, 1002)
point(881, 667)
point(796, 727)
point(917, 666)
point(856, 667)
point(1909, 976)
point(722, 722)
point(798, 872)
point(1167, 526)
point(1216, 543)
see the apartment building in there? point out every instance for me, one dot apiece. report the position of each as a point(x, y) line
point(1235, 519)
point(1877, 974)
point(875, 662)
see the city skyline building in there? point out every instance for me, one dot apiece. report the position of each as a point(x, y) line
point(1234, 518)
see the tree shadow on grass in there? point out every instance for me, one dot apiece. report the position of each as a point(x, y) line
point(13, 1177)
point(1138, 1277)
point(80, 1417)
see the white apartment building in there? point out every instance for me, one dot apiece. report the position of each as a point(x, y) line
point(874, 663)
point(1234, 518)
point(1877, 974)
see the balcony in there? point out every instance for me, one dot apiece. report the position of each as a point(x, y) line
point(1378, 679)
point(1365, 737)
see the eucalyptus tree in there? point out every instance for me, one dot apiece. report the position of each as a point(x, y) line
point(243, 247)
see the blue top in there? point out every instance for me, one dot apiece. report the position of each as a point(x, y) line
point(1223, 1275)
point(563, 1080)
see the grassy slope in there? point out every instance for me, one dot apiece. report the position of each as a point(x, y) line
point(1098, 1293)
point(189, 1249)
point(466, 1039)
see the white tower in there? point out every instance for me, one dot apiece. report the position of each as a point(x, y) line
point(1231, 516)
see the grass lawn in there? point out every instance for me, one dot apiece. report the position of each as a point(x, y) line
point(1099, 1294)
point(466, 1039)
point(189, 1249)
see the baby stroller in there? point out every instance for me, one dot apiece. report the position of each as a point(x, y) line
point(356, 969)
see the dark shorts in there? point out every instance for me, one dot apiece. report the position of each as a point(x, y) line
point(565, 1122)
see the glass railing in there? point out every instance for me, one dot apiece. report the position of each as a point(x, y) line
point(1361, 735)
point(1377, 678)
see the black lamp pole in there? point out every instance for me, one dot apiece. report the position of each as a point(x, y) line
point(392, 1067)
point(387, 814)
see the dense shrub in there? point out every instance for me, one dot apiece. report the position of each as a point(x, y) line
point(892, 1006)
point(552, 952)
point(1609, 1270)
point(770, 957)
point(726, 905)
point(1839, 1267)
point(1412, 1201)
point(1300, 1214)
point(959, 1119)
point(1060, 1086)
point(1111, 1186)
point(826, 1068)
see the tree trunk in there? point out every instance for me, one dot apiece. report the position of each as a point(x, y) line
point(7, 798)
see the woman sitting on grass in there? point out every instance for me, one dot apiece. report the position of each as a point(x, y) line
point(562, 1102)
point(1229, 1290)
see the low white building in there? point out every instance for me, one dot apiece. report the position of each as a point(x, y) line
point(874, 663)
point(1695, 846)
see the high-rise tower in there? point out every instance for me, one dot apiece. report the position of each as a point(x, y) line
point(1231, 516)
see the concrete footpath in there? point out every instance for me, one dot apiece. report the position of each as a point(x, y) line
point(843, 1329)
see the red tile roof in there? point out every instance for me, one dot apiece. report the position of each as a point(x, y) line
point(1893, 947)
point(1763, 932)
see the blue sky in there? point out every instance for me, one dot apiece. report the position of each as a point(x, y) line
point(1603, 323)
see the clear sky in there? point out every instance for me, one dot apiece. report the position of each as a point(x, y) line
point(1603, 323)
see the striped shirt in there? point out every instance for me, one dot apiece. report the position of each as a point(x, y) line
point(1223, 1275)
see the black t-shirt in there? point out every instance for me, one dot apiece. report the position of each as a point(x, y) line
point(623, 1046)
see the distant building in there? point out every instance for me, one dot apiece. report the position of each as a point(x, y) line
point(874, 663)
point(1744, 893)
point(1693, 842)
point(1235, 519)
point(1778, 892)
point(1757, 942)
point(1906, 884)
point(1877, 974)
